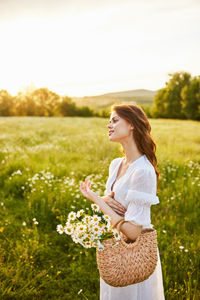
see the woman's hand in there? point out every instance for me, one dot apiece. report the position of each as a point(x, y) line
point(85, 188)
point(115, 205)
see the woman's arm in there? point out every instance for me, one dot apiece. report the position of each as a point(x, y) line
point(130, 230)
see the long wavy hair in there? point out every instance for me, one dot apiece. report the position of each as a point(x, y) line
point(135, 115)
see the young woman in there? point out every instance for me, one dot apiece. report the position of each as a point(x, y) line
point(131, 189)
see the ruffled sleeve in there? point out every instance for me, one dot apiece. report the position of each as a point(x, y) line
point(140, 196)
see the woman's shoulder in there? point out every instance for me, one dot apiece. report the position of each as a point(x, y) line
point(145, 164)
point(144, 168)
point(116, 160)
point(114, 163)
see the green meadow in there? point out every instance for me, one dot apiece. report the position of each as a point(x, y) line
point(43, 160)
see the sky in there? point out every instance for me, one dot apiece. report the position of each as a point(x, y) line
point(92, 47)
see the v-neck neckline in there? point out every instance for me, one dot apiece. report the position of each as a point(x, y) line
point(118, 167)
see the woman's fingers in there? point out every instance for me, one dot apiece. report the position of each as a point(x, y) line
point(118, 205)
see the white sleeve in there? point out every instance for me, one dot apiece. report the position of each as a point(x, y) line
point(140, 197)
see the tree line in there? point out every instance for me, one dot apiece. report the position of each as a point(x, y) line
point(179, 99)
point(41, 102)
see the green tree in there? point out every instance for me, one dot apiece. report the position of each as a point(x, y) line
point(191, 99)
point(168, 101)
point(47, 102)
point(6, 104)
point(68, 107)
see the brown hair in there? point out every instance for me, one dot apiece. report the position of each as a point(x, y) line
point(141, 133)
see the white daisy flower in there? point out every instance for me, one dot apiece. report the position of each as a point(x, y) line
point(109, 226)
point(116, 234)
point(97, 230)
point(24, 223)
point(106, 218)
point(95, 207)
point(72, 215)
point(80, 213)
point(86, 219)
point(94, 244)
point(88, 244)
point(69, 229)
point(96, 219)
point(60, 229)
point(81, 228)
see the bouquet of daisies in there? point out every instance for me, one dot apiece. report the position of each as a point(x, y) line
point(89, 229)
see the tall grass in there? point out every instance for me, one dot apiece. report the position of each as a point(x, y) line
point(42, 161)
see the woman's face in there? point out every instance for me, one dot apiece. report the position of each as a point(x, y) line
point(119, 128)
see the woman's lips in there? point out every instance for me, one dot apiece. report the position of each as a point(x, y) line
point(110, 132)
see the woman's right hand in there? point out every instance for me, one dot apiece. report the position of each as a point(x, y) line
point(115, 205)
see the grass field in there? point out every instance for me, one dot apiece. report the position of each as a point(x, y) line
point(42, 161)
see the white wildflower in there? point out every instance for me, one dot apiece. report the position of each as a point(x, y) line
point(80, 213)
point(72, 215)
point(106, 218)
point(69, 229)
point(96, 219)
point(95, 207)
point(60, 229)
point(116, 234)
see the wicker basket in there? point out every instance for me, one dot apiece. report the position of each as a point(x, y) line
point(128, 262)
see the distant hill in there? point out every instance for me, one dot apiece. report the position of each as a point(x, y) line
point(139, 96)
point(132, 93)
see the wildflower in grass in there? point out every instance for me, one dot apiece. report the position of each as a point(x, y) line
point(80, 291)
point(181, 247)
point(60, 229)
point(2, 204)
point(24, 223)
point(95, 207)
point(186, 250)
point(164, 231)
point(72, 215)
point(35, 221)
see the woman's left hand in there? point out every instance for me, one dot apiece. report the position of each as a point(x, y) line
point(85, 188)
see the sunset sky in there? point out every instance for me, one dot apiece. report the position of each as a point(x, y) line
point(91, 47)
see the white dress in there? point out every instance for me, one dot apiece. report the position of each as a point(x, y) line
point(136, 191)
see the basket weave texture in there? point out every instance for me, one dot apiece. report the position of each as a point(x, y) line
point(128, 262)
